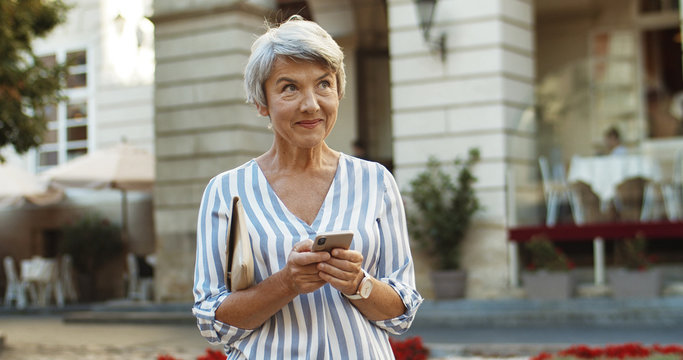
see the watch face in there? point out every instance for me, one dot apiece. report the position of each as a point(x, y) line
point(365, 289)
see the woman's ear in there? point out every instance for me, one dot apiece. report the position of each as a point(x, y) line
point(262, 110)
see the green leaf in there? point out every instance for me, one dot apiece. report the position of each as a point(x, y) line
point(442, 208)
point(27, 85)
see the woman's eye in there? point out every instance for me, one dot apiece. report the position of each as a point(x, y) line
point(289, 87)
point(324, 84)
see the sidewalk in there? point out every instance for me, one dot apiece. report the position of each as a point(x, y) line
point(34, 337)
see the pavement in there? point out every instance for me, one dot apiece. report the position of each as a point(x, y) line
point(461, 329)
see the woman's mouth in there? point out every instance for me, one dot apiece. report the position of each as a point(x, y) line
point(309, 124)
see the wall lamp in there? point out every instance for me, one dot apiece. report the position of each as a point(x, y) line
point(425, 11)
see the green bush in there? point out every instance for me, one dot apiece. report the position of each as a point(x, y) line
point(91, 241)
point(443, 209)
point(545, 256)
point(632, 254)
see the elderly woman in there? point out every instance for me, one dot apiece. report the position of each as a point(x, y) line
point(305, 304)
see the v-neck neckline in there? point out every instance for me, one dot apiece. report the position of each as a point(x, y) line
point(328, 195)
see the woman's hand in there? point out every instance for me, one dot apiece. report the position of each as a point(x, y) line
point(301, 269)
point(343, 270)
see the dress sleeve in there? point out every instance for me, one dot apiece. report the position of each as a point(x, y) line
point(209, 284)
point(395, 265)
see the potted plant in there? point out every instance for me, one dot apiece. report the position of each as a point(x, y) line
point(548, 275)
point(635, 277)
point(92, 241)
point(441, 211)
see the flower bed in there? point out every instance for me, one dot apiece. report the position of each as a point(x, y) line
point(209, 355)
point(409, 349)
point(623, 351)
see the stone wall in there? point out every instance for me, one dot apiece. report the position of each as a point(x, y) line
point(202, 124)
point(475, 98)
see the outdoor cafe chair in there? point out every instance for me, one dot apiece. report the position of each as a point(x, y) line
point(670, 191)
point(139, 288)
point(41, 276)
point(556, 192)
point(673, 200)
point(16, 288)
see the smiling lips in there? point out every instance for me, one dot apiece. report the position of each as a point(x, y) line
point(309, 124)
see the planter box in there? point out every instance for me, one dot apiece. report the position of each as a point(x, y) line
point(635, 283)
point(548, 285)
point(449, 284)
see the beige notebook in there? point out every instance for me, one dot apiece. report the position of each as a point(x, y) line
point(240, 269)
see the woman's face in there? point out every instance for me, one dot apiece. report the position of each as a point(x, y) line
point(302, 102)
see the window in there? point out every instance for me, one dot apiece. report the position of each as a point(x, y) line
point(49, 60)
point(78, 75)
point(48, 153)
point(67, 134)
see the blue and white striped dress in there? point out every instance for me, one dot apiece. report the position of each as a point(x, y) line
point(323, 324)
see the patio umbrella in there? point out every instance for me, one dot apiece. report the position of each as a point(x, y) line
point(123, 167)
point(18, 185)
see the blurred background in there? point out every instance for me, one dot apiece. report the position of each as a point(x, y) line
point(546, 90)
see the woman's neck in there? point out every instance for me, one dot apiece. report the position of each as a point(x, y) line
point(285, 158)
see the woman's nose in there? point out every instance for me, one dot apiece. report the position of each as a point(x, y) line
point(309, 103)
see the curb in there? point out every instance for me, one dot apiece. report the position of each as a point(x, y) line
point(509, 313)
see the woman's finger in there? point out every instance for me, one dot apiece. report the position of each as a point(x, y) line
point(348, 255)
point(344, 273)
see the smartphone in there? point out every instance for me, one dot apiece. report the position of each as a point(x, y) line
point(330, 240)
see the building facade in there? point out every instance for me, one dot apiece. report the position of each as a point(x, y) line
point(413, 105)
point(517, 79)
point(408, 102)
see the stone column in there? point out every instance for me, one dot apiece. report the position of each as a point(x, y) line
point(202, 124)
point(475, 98)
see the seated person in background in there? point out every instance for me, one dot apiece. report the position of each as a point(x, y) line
point(613, 142)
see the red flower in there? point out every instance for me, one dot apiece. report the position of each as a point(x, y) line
point(623, 351)
point(668, 349)
point(165, 357)
point(542, 356)
point(629, 350)
point(212, 355)
point(409, 349)
point(582, 352)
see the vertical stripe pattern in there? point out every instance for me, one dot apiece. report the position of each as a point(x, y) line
point(363, 197)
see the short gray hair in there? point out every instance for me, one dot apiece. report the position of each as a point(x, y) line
point(296, 39)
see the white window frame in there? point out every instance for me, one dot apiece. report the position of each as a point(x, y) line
point(75, 95)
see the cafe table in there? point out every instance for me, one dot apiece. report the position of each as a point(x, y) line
point(604, 173)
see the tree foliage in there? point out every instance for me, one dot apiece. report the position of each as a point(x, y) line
point(27, 85)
